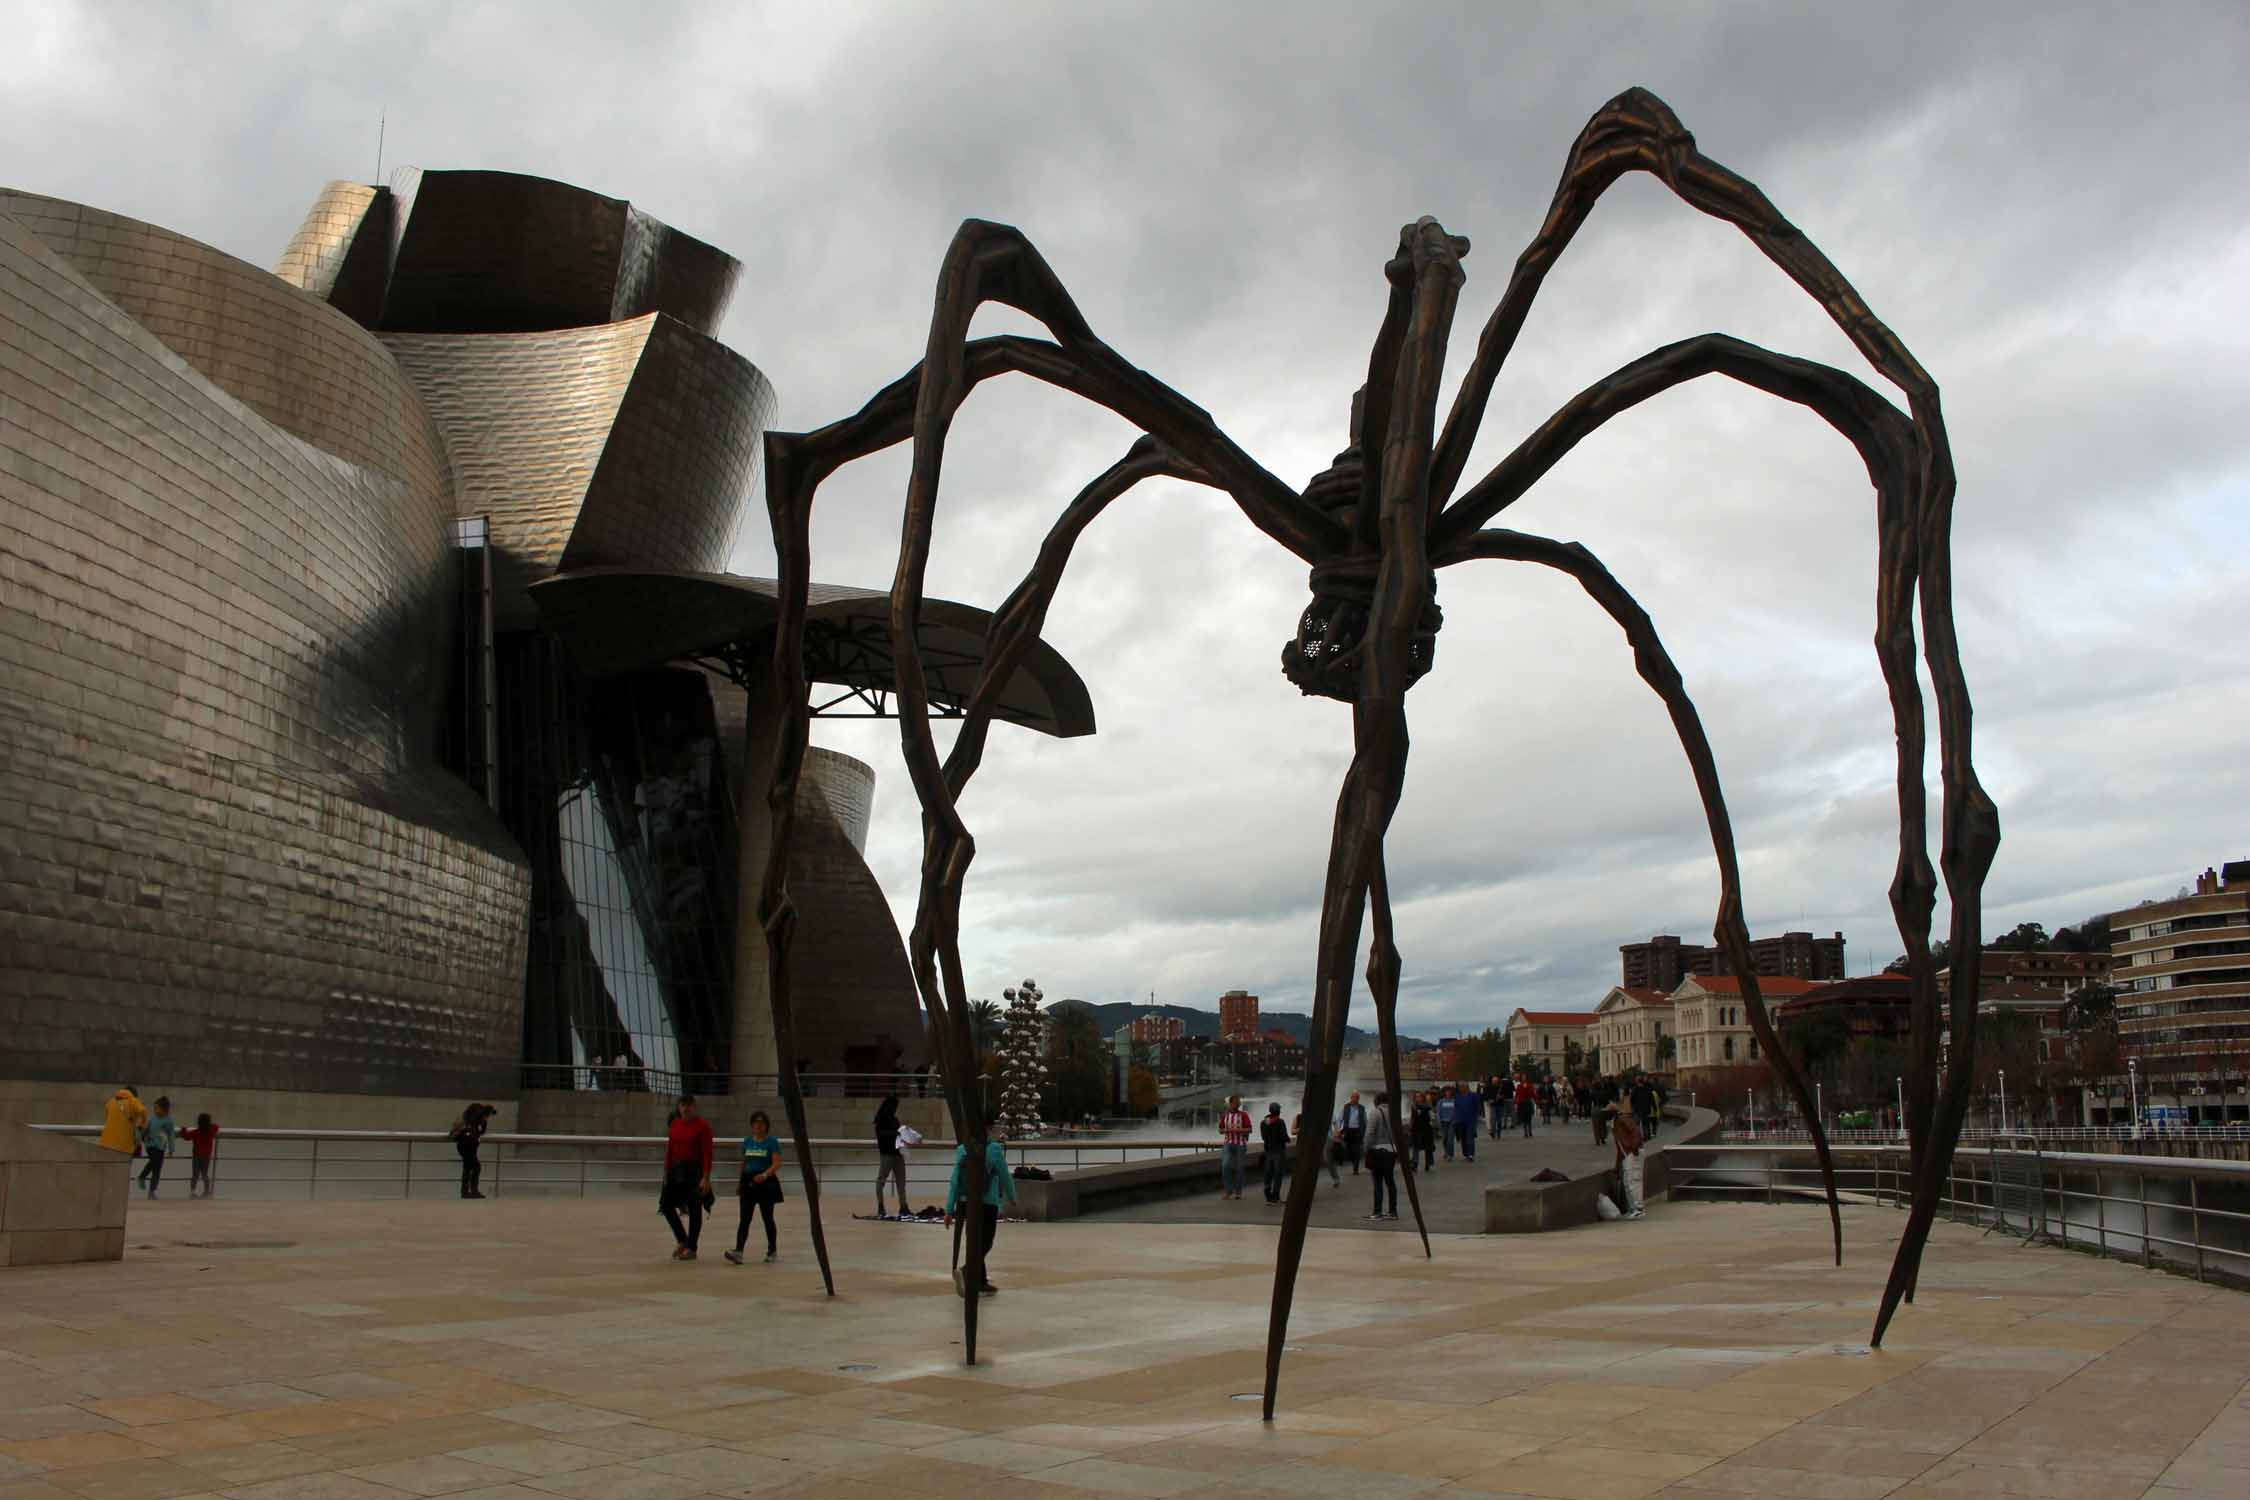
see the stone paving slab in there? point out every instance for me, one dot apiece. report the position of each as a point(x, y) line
point(529, 1350)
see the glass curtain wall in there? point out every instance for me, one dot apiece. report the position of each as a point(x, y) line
point(617, 789)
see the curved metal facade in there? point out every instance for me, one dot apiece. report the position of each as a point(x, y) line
point(224, 852)
point(625, 442)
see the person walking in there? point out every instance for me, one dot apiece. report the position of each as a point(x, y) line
point(1643, 1101)
point(1468, 1109)
point(688, 1148)
point(468, 1133)
point(1421, 1133)
point(160, 1136)
point(123, 1115)
point(1234, 1146)
point(999, 1188)
point(1661, 1097)
point(1445, 1121)
point(1382, 1156)
point(204, 1139)
point(1629, 1165)
point(1546, 1101)
point(1354, 1125)
point(1500, 1098)
point(760, 1187)
point(1526, 1101)
point(1273, 1135)
point(890, 1160)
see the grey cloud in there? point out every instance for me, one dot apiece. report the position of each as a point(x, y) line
point(2043, 200)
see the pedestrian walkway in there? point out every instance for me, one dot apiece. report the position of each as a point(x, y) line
point(516, 1349)
point(1452, 1195)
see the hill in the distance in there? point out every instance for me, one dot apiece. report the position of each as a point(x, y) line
point(1206, 1022)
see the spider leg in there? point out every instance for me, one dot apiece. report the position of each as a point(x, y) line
point(1403, 586)
point(995, 263)
point(795, 463)
point(1637, 132)
point(1657, 669)
point(1382, 984)
point(1914, 487)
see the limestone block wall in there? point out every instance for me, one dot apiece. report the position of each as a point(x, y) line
point(60, 1199)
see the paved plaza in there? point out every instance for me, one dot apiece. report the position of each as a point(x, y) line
point(523, 1350)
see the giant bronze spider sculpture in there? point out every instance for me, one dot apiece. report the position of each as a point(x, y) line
point(1374, 529)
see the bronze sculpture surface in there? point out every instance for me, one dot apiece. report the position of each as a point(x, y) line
point(1374, 529)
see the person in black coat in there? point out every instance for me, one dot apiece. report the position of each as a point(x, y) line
point(1273, 1135)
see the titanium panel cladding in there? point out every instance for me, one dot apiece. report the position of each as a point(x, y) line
point(483, 252)
point(221, 846)
point(628, 442)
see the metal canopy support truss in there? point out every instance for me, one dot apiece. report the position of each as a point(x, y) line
point(854, 655)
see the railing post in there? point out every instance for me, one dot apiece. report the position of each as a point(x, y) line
point(2101, 1214)
point(2148, 1247)
point(312, 1173)
point(2195, 1220)
point(582, 1150)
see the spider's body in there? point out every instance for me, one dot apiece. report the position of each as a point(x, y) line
point(1374, 528)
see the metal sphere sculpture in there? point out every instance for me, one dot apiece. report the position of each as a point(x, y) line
point(1375, 529)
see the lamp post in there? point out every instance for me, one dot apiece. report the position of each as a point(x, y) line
point(1752, 1099)
point(1819, 1104)
point(2003, 1101)
point(2133, 1092)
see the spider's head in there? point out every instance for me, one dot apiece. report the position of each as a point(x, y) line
point(1326, 655)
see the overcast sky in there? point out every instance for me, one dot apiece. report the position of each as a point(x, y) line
point(2048, 202)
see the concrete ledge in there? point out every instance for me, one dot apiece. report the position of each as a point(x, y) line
point(1080, 1190)
point(60, 1199)
point(1535, 1207)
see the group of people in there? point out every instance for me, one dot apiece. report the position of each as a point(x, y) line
point(131, 1127)
point(691, 1150)
point(1626, 1112)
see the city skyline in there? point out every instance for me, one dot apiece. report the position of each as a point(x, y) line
point(2028, 196)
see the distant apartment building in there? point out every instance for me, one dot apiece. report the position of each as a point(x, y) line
point(2182, 973)
point(2056, 970)
point(1238, 1017)
point(1269, 1054)
point(1629, 1024)
point(1546, 1037)
point(1155, 1028)
point(1713, 1028)
point(1663, 961)
point(1871, 1007)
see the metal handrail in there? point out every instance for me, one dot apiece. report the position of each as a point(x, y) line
point(1779, 1168)
point(420, 1163)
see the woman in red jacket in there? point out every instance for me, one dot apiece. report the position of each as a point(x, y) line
point(687, 1176)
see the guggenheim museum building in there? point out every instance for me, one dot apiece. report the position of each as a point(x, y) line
point(379, 725)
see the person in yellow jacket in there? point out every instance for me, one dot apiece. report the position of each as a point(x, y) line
point(124, 1116)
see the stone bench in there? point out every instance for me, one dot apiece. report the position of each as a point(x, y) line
point(60, 1199)
point(1535, 1207)
point(1077, 1190)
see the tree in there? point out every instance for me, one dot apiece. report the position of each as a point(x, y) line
point(1023, 1068)
point(1821, 1041)
point(984, 1023)
point(1594, 1061)
point(2091, 1005)
point(1667, 1048)
point(1941, 955)
point(1732, 1087)
point(2090, 936)
point(1478, 1057)
point(1143, 1095)
point(1574, 1058)
point(1078, 1067)
point(2024, 937)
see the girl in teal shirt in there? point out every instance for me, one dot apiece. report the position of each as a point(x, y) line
point(761, 1184)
